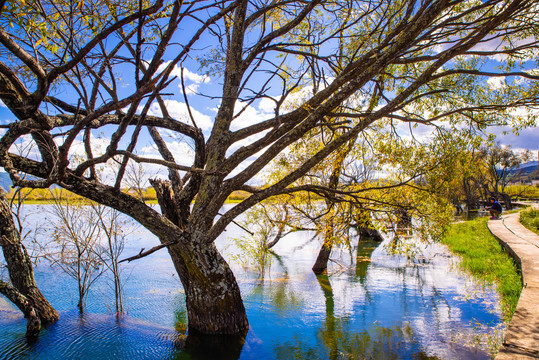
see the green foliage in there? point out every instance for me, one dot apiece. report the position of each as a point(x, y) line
point(482, 256)
point(254, 252)
point(530, 219)
point(238, 196)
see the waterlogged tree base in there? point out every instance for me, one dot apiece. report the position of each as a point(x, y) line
point(213, 297)
point(33, 323)
point(321, 262)
point(219, 323)
point(223, 347)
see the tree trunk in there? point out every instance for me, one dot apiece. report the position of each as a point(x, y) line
point(21, 271)
point(404, 219)
point(80, 304)
point(213, 298)
point(367, 231)
point(321, 262)
point(507, 201)
point(33, 323)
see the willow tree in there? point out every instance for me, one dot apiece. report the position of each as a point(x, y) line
point(375, 180)
point(76, 75)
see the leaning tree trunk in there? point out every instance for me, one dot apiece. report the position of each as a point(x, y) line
point(35, 306)
point(321, 263)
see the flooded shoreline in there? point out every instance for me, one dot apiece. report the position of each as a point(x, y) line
point(371, 304)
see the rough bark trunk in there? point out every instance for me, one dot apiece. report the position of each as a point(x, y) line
point(21, 272)
point(368, 231)
point(404, 219)
point(471, 200)
point(33, 323)
point(213, 298)
point(507, 201)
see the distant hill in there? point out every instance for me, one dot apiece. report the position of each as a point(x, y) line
point(5, 181)
point(526, 168)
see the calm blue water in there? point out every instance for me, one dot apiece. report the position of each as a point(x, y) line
point(371, 305)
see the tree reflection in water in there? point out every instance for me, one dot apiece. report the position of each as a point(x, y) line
point(341, 343)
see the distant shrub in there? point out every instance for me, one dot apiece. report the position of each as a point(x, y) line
point(526, 191)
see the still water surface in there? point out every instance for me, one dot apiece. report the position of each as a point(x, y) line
point(371, 305)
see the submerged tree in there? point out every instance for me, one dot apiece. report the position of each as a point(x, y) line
point(115, 236)
point(69, 68)
point(76, 242)
point(21, 288)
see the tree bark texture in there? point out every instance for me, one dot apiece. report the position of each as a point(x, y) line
point(213, 298)
point(23, 290)
point(369, 232)
point(33, 322)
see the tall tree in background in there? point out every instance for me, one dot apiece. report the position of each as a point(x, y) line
point(499, 162)
point(67, 68)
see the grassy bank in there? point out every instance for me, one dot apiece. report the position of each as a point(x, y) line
point(522, 191)
point(530, 219)
point(46, 196)
point(483, 257)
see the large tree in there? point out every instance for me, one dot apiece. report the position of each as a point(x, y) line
point(69, 67)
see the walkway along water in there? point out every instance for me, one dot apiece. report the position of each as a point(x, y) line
point(522, 335)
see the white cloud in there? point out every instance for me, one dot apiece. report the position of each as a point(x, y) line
point(178, 110)
point(526, 138)
point(204, 79)
point(191, 89)
point(187, 74)
point(267, 105)
point(249, 115)
point(182, 152)
point(26, 146)
point(2, 104)
point(496, 83)
point(497, 44)
point(192, 80)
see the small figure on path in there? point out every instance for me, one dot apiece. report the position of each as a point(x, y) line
point(495, 209)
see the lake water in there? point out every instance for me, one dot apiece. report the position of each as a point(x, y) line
point(371, 305)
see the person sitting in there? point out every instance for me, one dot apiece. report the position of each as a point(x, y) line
point(495, 209)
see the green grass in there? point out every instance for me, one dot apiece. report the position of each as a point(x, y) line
point(483, 257)
point(530, 219)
